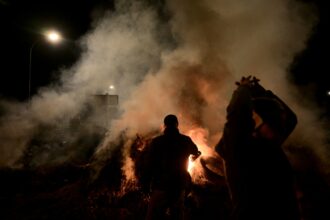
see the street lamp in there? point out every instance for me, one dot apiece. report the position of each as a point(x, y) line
point(51, 36)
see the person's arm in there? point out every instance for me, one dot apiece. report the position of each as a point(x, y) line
point(193, 149)
point(239, 125)
point(290, 118)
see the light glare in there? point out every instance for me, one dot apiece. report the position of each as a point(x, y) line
point(53, 36)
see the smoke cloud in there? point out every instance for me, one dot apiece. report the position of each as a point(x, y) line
point(175, 56)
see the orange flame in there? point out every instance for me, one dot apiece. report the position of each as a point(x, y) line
point(199, 137)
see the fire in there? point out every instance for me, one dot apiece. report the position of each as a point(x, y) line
point(208, 161)
point(199, 137)
point(191, 164)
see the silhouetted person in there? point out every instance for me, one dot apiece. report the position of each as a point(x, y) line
point(258, 173)
point(168, 157)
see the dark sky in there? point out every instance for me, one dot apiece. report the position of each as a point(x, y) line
point(21, 21)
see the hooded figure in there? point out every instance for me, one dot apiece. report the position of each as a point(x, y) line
point(258, 173)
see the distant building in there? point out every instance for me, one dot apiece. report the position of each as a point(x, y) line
point(105, 108)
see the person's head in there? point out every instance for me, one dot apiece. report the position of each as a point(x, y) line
point(171, 121)
point(269, 116)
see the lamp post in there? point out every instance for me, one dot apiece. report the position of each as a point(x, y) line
point(51, 36)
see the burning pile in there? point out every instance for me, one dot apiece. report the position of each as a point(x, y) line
point(208, 194)
point(205, 170)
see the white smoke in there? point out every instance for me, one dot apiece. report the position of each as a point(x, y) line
point(184, 61)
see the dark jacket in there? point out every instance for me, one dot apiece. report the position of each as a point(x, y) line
point(168, 160)
point(258, 172)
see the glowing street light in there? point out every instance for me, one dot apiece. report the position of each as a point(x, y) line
point(111, 89)
point(51, 36)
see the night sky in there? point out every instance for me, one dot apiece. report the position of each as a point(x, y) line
point(22, 22)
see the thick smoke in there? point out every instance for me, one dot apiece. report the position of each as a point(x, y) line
point(181, 57)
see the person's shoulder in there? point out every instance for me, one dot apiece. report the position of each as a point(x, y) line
point(185, 137)
point(188, 142)
point(158, 138)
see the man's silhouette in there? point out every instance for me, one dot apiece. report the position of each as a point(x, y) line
point(168, 157)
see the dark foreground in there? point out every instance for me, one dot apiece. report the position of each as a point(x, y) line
point(66, 192)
